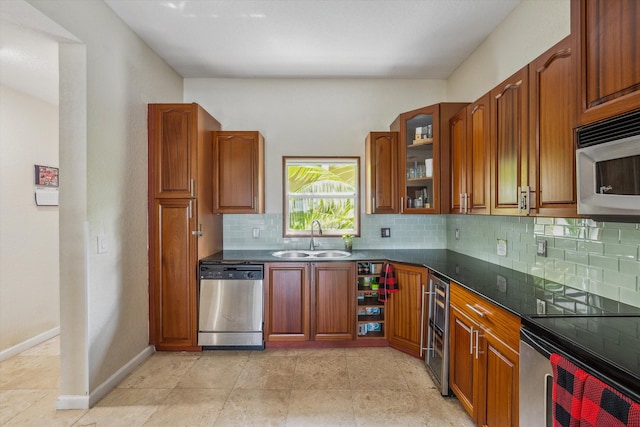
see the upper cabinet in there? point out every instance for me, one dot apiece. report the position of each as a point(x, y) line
point(606, 57)
point(508, 144)
point(382, 173)
point(177, 139)
point(423, 156)
point(552, 158)
point(238, 177)
point(470, 158)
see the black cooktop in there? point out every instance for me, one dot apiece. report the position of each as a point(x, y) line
point(610, 344)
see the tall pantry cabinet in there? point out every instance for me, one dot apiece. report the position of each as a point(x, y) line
point(182, 226)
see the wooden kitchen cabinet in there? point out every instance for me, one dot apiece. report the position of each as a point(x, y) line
point(287, 301)
point(470, 159)
point(424, 164)
point(381, 151)
point(551, 150)
point(509, 139)
point(333, 301)
point(404, 308)
point(309, 301)
point(606, 57)
point(238, 178)
point(484, 365)
point(182, 226)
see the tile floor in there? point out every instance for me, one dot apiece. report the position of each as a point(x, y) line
point(276, 387)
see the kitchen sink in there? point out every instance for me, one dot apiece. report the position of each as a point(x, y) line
point(290, 254)
point(312, 254)
point(332, 254)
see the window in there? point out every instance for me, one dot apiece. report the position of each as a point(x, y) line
point(324, 189)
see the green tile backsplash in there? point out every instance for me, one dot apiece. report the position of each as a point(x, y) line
point(600, 258)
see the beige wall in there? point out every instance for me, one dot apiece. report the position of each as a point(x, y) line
point(107, 80)
point(29, 266)
point(532, 28)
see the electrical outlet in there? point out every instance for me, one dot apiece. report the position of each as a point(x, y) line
point(502, 247)
point(541, 306)
point(385, 232)
point(541, 248)
point(457, 234)
point(256, 233)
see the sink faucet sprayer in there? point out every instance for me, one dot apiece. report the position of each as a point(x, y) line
point(312, 244)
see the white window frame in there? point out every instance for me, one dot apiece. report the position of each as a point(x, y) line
point(287, 196)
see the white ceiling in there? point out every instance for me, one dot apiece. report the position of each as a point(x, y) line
point(425, 39)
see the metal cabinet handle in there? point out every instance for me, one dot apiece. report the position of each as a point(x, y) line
point(471, 332)
point(422, 322)
point(198, 232)
point(477, 334)
point(255, 204)
point(193, 187)
point(476, 311)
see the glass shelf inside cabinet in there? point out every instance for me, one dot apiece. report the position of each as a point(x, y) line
point(419, 161)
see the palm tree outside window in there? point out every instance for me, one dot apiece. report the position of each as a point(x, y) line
point(324, 189)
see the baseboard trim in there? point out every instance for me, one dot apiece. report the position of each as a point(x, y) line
point(27, 344)
point(86, 402)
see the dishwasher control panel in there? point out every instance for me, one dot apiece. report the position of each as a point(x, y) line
point(231, 272)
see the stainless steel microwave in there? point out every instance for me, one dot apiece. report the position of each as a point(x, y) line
point(608, 168)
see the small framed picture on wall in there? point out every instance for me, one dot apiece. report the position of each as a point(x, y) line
point(47, 176)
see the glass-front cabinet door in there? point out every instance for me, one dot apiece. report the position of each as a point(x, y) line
point(419, 159)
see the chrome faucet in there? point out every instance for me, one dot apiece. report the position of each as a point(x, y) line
point(312, 244)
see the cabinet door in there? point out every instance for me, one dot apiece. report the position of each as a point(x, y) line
point(239, 172)
point(172, 150)
point(509, 141)
point(607, 57)
point(382, 173)
point(333, 301)
point(463, 369)
point(552, 157)
point(478, 157)
point(404, 308)
point(419, 156)
point(287, 299)
point(174, 295)
point(458, 124)
point(500, 383)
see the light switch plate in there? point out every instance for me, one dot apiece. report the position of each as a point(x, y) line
point(103, 246)
point(541, 247)
point(256, 233)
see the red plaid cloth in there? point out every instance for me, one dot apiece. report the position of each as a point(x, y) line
point(568, 387)
point(602, 406)
point(388, 283)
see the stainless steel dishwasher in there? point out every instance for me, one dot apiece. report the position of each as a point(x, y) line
point(231, 306)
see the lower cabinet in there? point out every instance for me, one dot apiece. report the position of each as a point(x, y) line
point(404, 308)
point(333, 300)
point(309, 301)
point(287, 295)
point(173, 316)
point(483, 370)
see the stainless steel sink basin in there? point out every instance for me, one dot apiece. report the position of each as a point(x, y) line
point(332, 254)
point(312, 254)
point(291, 254)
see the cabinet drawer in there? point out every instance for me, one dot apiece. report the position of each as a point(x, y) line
point(503, 325)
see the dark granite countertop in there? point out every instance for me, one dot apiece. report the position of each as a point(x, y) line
point(606, 331)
